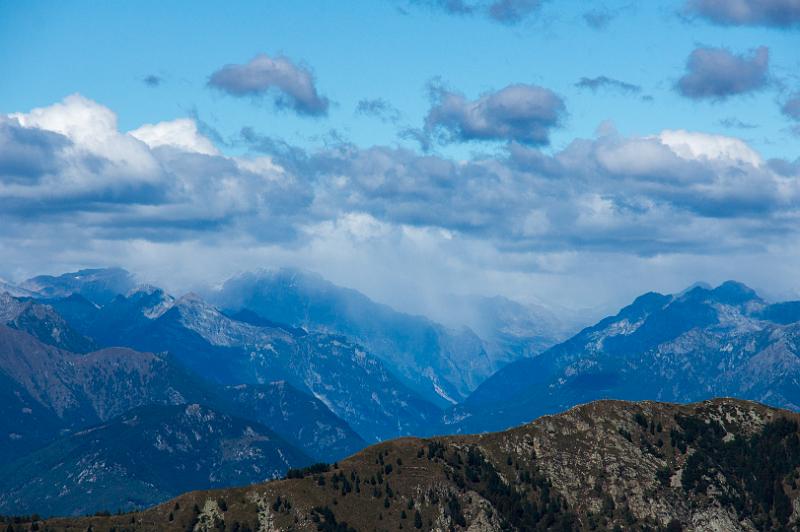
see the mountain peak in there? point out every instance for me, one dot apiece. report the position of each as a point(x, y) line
point(734, 293)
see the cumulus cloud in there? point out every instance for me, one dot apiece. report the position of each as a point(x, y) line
point(604, 82)
point(717, 73)
point(181, 133)
point(290, 85)
point(74, 189)
point(520, 113)
point(775, 13)
point(165, 181)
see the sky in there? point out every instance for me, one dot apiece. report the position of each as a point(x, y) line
point(574, 153)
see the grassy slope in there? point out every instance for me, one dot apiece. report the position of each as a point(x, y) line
point(595, 466)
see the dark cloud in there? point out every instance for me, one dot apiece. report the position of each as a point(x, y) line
point(604, 82)
point(28, 154)
point(520, 113)
point(291, 86)
point(775, 13)
point(152, 80)
point(716, 73)
point(378, 108)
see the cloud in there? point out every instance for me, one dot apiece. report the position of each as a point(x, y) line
point(791, 107)
point(152, 80)
point(716, 73)
point(378, 108)
point(181, 133)
point(520, 113)
point(509, 12)
point(602, 82)
point(598, 18)
point(290, 85)
point(76, 190)
point(69, 163)
point(453, 7)
point(512, 11)
point(774, 13)
point(732, 122)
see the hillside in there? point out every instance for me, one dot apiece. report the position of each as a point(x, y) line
point(143, 457)
point(722, 464)
point(46, 390)
point(300, 418)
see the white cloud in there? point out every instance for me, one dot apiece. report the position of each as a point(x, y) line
point(693, 145)
point(181, 133)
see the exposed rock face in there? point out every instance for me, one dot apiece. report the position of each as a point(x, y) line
point(723, 464)
point(42, 322)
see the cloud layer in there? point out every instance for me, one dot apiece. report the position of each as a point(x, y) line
point(73, 185)
point(289, 85)
point(717, 73)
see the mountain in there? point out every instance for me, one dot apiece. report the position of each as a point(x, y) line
point(702, 343)
point(443, 364)
point(46, 391)
point(718, 465)
point(13, 290)
point(347, 379)
point(42, 322)
point(97, 285)
point(300, 418)
point(144, 457)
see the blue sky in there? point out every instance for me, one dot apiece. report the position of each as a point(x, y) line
point(370, 49)
point(503, 213)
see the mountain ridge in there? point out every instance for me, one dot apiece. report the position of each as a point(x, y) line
point(603, 465)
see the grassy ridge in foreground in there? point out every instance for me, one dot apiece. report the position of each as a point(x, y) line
point(723, 464)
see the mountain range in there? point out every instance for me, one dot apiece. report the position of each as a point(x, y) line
point(704, 342)
point(316, 372)
point(443, 364)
